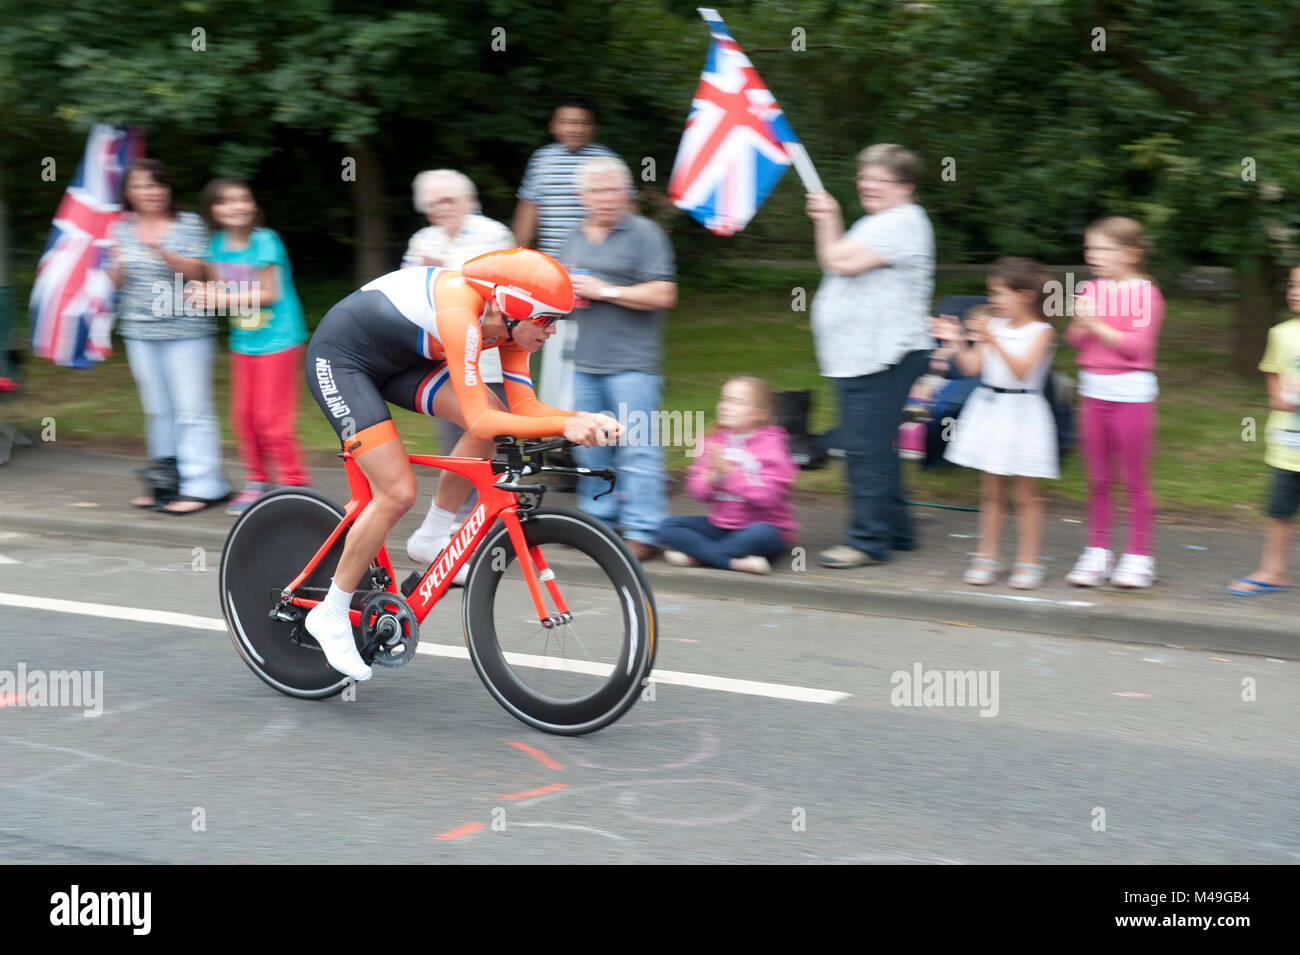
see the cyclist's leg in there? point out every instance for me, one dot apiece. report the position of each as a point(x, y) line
point(423, 387)
point(342, 382)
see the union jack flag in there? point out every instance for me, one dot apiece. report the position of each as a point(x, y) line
point(737, 141)
point(72, 298)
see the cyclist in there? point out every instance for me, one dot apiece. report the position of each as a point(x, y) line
point(400, 339)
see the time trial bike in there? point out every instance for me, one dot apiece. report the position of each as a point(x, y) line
point(558, 615)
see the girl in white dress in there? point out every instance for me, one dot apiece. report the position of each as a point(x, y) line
point(1006, 428)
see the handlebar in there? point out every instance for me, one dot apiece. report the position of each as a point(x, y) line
point(510, 461)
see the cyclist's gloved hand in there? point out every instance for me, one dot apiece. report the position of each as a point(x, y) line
point(590, 430)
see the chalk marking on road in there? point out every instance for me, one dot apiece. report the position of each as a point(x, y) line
point(541, 791)
point(570, 827)
point(699, 681)
point(1021, 599)
point(537, 754)
point(459, 831)
point(68, 749)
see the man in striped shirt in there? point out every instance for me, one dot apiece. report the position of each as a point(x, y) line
point(549, 209)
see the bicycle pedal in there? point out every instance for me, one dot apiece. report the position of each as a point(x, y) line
point(410, 583)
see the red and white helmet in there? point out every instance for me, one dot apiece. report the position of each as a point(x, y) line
point(526, 285)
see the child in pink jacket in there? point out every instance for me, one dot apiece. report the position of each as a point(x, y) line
point(745, 470)
point(1116, 326)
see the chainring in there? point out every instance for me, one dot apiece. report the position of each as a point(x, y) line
point(389, 630)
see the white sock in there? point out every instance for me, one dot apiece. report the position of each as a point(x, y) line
point(423, 547)
point(328, 622)
point(437, 523)
point(339, 601)
point(431, 537)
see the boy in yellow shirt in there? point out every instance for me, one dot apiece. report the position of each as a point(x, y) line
point(1281, 368)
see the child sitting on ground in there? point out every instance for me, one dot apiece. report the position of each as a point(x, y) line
point(745, 470)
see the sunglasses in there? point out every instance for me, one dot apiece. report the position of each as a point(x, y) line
point(519, 305)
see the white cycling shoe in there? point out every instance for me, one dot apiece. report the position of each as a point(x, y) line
point(423, 549)
point(334, 634)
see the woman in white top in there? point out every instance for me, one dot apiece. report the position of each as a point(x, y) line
point(1006, 428)
point(457, 232)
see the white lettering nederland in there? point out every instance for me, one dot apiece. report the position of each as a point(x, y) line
point(103, 908)
point(471, 354)
point(452, 552)
point(328, 390)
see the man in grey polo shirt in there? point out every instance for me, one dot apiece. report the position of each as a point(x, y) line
point(628, 280)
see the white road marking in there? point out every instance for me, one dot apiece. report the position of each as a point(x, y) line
point(701, 681)
point(112, 612)
point(8, 560)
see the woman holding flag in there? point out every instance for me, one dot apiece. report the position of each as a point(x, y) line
point(870, 323)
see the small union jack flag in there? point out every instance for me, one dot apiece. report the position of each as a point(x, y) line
point(72, 298)
point(737, 143)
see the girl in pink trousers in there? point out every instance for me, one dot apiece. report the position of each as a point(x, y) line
point(745, 471)
point(1115, 327)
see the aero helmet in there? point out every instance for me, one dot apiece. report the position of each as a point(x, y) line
point(527, 285)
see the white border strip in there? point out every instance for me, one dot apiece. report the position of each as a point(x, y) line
point(700, 681)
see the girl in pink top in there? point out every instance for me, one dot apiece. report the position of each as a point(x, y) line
point(1115, 327)
point(745, 470)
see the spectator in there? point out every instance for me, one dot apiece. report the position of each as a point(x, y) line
point(629, 278)
point(870, 326)
point(267, 337)
point(170, 344)
point(549, 209)
point(1281, 368)
point(1007, 429)
point(745, 471)
point(458, 231)
point(1115, 327)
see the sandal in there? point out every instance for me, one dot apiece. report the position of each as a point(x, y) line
point(191, 505)
point(1026, 576)
point(982, 570)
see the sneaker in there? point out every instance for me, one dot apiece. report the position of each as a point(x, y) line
point(842, 556)
point(1134, 570)
point(753, 564)
point(679, 559)
point(640, 549)
point(246, 497)
point(1092, 569)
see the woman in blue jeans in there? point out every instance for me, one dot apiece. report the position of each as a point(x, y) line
point(871, 327)
point(170, 346)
